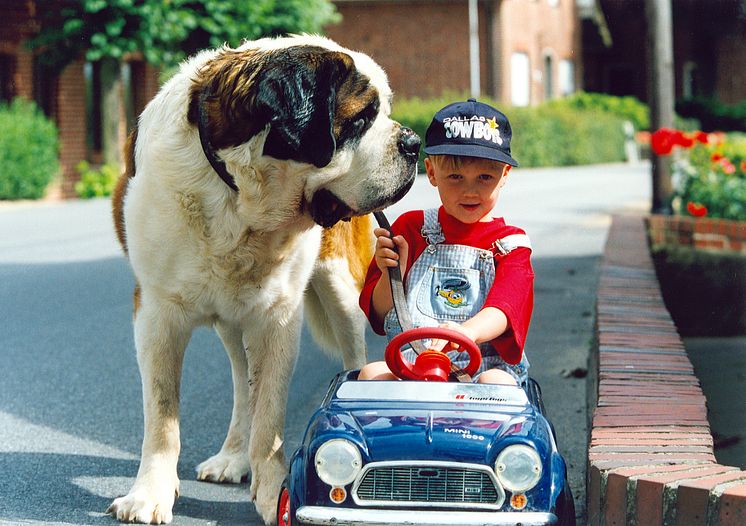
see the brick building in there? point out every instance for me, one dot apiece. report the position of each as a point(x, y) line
point(74, 97)
point(528, 49)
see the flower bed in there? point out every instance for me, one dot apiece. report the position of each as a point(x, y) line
point(708, 172)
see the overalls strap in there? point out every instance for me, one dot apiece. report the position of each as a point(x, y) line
point(431, 230)
point(507, 244)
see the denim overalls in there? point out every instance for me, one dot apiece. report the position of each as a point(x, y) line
point(450, 283)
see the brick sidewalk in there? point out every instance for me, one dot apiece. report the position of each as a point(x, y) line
point(650, 457)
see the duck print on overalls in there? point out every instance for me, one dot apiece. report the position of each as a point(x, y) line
point(453, 292)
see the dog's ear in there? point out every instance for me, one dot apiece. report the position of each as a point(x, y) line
point(298, 91)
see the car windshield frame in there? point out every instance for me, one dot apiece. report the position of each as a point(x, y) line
point(432, 392)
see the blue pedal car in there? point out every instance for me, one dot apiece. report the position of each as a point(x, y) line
point(427, 453)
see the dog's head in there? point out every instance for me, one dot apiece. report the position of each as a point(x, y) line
point(320, 110)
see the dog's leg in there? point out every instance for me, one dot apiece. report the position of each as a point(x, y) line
point(232, 462)
point(333, 313)
point(161, 336)
point(272, 356)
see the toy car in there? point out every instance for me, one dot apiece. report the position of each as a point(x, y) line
point(427, 453)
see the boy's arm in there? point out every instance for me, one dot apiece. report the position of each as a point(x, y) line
point(485, 326)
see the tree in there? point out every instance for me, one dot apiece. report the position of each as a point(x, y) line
point(166, 31)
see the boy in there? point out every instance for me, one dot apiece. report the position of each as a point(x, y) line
point(463, 269)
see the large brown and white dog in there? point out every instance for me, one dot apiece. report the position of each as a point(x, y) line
point(236, 165)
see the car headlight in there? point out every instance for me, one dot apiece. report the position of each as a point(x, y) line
point(518, 468)
point(338, 462)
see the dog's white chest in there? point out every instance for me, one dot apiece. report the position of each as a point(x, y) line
point(219, 267)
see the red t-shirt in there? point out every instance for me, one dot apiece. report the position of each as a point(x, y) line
point(512, 291)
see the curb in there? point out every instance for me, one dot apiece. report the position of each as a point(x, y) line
point(650, 456)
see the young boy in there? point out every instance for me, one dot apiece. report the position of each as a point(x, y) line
point(463, 269)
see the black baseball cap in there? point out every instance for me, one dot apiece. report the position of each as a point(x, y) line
point(470, 129)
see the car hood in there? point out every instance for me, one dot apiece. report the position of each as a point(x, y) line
point(435, 435)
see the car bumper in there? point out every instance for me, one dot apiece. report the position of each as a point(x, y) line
point(322, 516)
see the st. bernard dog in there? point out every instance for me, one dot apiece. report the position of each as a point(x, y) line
point(229, 211)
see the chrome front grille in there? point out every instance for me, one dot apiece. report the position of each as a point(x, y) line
point(449, 485)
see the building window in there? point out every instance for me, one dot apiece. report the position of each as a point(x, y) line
point(548, 77)
point(7, 70)
point(566, 77)
point(520, 80)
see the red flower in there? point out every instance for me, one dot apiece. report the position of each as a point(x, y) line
point(743, 166)
point(663, 140)
point(701, 137)
point(696, 209)
point(716, 157)
point(680, 139)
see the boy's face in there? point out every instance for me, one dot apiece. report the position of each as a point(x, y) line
point(468, 190)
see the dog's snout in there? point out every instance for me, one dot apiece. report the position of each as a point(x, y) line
point(409, 142)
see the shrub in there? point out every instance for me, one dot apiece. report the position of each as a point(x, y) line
point(96, 183)
point(28, 151)
point(628, 108)
point(552, 134)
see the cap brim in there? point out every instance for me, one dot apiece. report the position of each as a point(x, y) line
point(471, 150)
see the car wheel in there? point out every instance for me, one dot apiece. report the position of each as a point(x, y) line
point(283, 507)
point(566, 507)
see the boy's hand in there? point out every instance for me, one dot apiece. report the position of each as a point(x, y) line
point(445, 345)
point(385, 254)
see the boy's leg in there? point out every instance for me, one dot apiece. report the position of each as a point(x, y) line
point(376, 371)
point(496, 376)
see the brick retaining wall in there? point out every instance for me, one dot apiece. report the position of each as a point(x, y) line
point(650, 459)
point(703, 233)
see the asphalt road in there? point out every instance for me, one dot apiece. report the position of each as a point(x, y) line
point(70, 400)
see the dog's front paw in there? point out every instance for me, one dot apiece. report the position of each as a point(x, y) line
point(224, 467)
point(265, 488)
point(148, 504)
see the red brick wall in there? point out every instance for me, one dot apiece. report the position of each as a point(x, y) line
point(651, 458)
point(702, 233)
point(424, 45)
point(71, 121)
point(538, 29)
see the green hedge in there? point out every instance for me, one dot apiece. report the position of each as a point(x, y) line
point(628, 107)
point(28, 151)
point(558, 133)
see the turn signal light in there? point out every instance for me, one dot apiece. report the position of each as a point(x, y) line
point(518, 501)
point(338, 495)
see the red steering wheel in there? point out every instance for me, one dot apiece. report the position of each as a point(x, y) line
point(430, 365)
